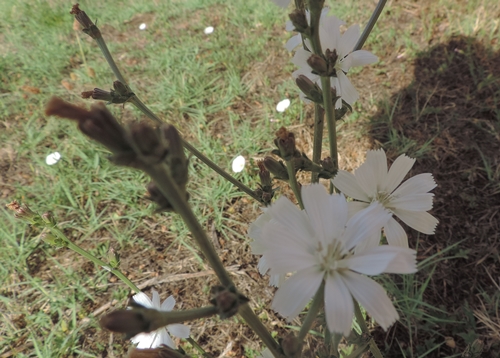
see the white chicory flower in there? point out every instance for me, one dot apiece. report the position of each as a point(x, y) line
point(331, 39)
point(156, 338)
point(320, 244)
point(410, 201)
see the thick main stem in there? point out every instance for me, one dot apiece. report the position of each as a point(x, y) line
point(169, 188)
point(331, 123)
point(319, 124)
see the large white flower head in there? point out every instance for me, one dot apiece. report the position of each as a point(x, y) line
point(338, 49)
point(156, 338)
point(320, 244)
point(410, 201)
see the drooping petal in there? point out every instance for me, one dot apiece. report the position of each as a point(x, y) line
point(168, 304)
point(346, 182)
point(419, 184)
point(348, 41)
point(363, 224)
point(347, 90)
point(419, 220)
point(414, 202)
point(395, 233)
point(372, 297)
point(398, 171)
point(319, 209)
point(296, 292)
point(142, 299)
point(339, 308)
point(179, 330)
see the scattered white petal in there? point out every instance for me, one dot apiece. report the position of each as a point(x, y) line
point(238, 164)
point(53, 158)
point(142, 26)
point(283, 105)
point(208, 30)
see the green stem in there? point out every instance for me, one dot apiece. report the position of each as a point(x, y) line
point(316, 305)
point(330, 120)
point(169, 188)
point(319, 124)
point(371, 24)
point(111, 62)
point(292, 180)
point(55, 231)
point(198, 347)
point(362, 324)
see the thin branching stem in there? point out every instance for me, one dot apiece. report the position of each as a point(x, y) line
point(371, 24)
point(319, 124)
point(362, 324)
point(313, 311)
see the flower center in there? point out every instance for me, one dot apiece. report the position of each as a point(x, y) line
point(330, 256)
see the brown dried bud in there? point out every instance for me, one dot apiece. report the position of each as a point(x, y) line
point(176, 158)
point(292, 347)
point(227, 301)
point(23, 212)
point(310, 89)
point(87, 94)
point(318, 64)
point(88, 26)
point(278, 169)
point(331, 59)
point(299, 20)
point(146, 142)
point(264, 175)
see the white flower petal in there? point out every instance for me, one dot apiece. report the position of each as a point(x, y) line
point(415, 202)
point(366, 174)
point(363, 224)
point(329, 31)
point(419, 184)
point(293, 42)
point(339, 308)
point(318, 207)
point(179, 330)
point(346, 182)
point(296, 292)
point(362, 58)
point(277, 235)
point(347, 90)
point(348, 40)
point(380, 259)
point(276, 280)
point(156, 300)
point(378, 163)
point(339, 214)
point(286, 213)
point(163, 338)
point(395, 233)
point(263, 265)
point(168, 304)
point(354, 207)
point(142, 299)
point(420, 221)
point(398, 171)
point(372, 297)
point(144, 340)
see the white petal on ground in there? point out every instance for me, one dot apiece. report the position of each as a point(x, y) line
point(142, 26)
point(339, 308)
point(296, 292)
point(238, 164)
point(372, 297)
point(283, 105)
point(395, 234)
point(52, 158)
point(208, 30)
point(419, 220)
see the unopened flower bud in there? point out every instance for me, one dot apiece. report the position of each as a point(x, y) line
point(278, 169)
point(285, 141)
point(310, 89)
point(331, 59)
point(299, 20)
point(48, 218)
point(318, 64)
point(130, 322)
point(146, 143)
point(227, 301)
point(176, 158)
point(113, 258)
point(23, 212)
point(121, 88)
point(329, 170)
point(88, 26)
point(292, 347)
point(52, 240)
point(264, 175)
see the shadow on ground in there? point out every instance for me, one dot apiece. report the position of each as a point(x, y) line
point(449, 119)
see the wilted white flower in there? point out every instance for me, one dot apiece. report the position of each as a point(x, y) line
point(342, 45)
point(52, 158)
point(320, 244)
point(238, 164)
point(410, 201)
point(160, 336)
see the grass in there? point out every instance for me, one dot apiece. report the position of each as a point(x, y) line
point(221, 90)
